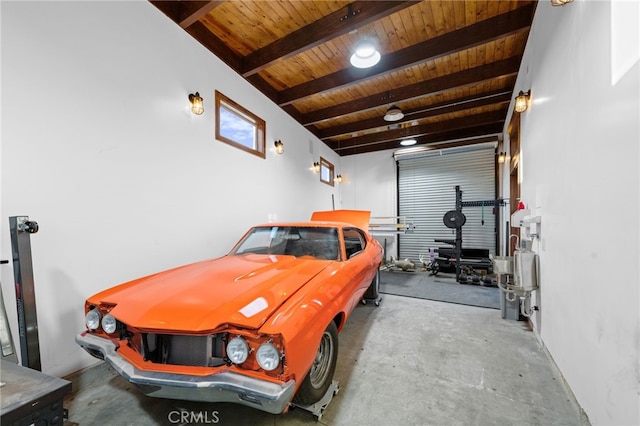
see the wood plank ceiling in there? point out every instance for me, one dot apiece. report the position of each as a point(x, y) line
point(450, 66)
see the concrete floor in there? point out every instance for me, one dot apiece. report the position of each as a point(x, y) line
point(406, 362)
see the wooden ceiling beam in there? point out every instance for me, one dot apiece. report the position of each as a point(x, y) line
point(422, 129)
point(169, 8)
point(499, 69)
point(493, 137)
point(263, 86)
point(446, 44)
point(343, 21)
point(216, 46)
point(442, 140)
point(496, 97)
point(294, 113)
point(185, 13)
point(192, 11)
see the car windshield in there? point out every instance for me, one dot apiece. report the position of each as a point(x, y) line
point(318, 242)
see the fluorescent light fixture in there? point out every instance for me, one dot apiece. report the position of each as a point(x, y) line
point(408, 142)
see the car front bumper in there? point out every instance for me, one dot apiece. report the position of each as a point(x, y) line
point(221, 387)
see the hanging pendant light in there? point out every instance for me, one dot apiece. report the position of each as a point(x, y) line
point(393, 114)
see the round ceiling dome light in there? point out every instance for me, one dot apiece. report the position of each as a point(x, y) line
point(365, 55)
point(408, 142)
point(393, 114)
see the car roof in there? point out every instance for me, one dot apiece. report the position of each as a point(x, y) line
point(332, 218)
point(314, 224)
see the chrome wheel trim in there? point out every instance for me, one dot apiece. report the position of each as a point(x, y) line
point(322, 364)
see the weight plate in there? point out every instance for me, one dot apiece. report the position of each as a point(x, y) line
point(454, 219)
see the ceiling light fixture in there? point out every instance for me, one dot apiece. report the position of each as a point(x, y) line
point(197, 106)
point(408, 142)
point(393, 114)
point(522, 101)
point(365, 55)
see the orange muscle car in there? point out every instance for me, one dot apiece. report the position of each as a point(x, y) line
point(258, 326)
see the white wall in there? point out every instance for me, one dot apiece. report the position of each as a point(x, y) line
point(99, 147)
point(370, 183)
point(580, 157)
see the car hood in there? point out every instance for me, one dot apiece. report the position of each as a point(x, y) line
point(240, 290)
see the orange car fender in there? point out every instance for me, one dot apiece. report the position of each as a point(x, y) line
point(304, 317)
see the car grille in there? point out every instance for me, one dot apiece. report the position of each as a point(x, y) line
point(176, 349)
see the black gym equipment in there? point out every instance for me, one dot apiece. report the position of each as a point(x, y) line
point(454, 219)
point(465, 260)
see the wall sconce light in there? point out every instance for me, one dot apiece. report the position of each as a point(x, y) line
point(196, 103)
point(522, 101)
point(279, 146)
point(365, 55)
point(502, 157)
point(315, 167)
point(338, 178)
point(560, 2)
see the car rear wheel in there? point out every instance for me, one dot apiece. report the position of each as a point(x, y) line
point(319, 378)
point(373, 292)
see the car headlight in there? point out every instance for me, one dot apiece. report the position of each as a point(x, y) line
point(268, 356)
point(108, 324)
point(92, 319)
point(237, 350)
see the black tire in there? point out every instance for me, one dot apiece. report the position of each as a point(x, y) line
point(373, 292)
point(318, 379)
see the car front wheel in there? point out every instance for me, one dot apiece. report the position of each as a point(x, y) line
point(319, 378)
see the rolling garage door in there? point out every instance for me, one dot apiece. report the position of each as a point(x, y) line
point(426, 191)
